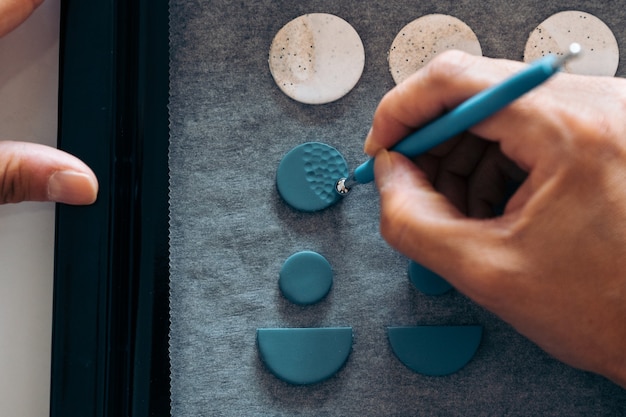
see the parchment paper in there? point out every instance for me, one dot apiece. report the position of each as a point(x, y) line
point(230, 231)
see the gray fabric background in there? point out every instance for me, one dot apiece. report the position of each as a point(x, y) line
point(230, 232)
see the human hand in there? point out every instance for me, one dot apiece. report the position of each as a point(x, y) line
point(36, 172)
point(553, 264)
point(14, 12)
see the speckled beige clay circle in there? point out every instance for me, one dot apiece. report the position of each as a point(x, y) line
point(600, 53)
point(317, 58)
point(424, 38)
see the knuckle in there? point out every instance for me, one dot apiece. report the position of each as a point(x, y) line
point(492, 282)
point(596, 125)
point(493, 271)
point(10, 179)
point(494, 279)
point(597, 137)
point(447, 66)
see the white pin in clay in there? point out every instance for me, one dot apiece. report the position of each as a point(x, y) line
point(600, 54)
point(317, 58)
point(426, 37)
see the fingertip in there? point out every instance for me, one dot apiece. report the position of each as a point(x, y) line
point(369, 146)
point(13, 13)
point(382, 168)
point(34, 172)
point(73, 187)
point(394, 169)
point(374, 141)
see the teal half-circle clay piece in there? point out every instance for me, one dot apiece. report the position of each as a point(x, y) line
point(307, 176)
point(426, 280)
point(304, 356)
point(305, 278)
point(435, 350)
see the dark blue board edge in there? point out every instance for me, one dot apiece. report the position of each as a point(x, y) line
point(110, 309)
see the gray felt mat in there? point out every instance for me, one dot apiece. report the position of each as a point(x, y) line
point(230, 232)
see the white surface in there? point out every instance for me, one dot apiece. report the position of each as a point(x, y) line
point(600, 52)
point(317, 58)
point(426, 37)
point(28, 112)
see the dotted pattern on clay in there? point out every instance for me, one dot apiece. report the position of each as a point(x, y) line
point(422, 39)
point(307, 175)
point(600, 52)
point(323, 166)
point(316, 58)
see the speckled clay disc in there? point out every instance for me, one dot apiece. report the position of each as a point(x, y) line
point(317, 58)
point(307, 175)
point(600, 53)
point(424, 38)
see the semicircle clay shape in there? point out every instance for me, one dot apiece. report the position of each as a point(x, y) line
point(426, 280)
point(435, 350)
point(316, 58)
point(600, 52)
point(307, 175)
point(305, 278)
point(426, 37)
point(304, 356)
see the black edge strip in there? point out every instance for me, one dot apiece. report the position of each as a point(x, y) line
point(110, 318)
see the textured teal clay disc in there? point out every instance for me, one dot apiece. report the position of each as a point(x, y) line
point(307, 175)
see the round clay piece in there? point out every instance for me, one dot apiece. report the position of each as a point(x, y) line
point(305, 278)
point(317, 58)
point(307, 175)
point(426, 280)
point(600, 53)
point(422, 39)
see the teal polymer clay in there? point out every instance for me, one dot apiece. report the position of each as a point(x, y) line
point(435, 350)
point(426, 280)
point(307, 176)
point(305, 278)
point(303, 356)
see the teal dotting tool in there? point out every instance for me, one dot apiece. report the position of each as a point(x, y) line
point(469, 113)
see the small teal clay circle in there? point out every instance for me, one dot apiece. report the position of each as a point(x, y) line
point(426, 280)
point(305, 278)
point(307, 175)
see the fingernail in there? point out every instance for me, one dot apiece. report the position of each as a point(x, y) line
point(72, 187)
point(367, 146)
point(383, 167)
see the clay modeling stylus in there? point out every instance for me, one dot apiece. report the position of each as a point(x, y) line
point(469, 113)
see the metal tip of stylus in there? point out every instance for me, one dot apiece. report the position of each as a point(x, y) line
point(574, 50)
point(344, 185)
point(341, 188)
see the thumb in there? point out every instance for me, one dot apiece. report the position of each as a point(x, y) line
point(33, 172)
point(424, 225)
point(14, 12)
